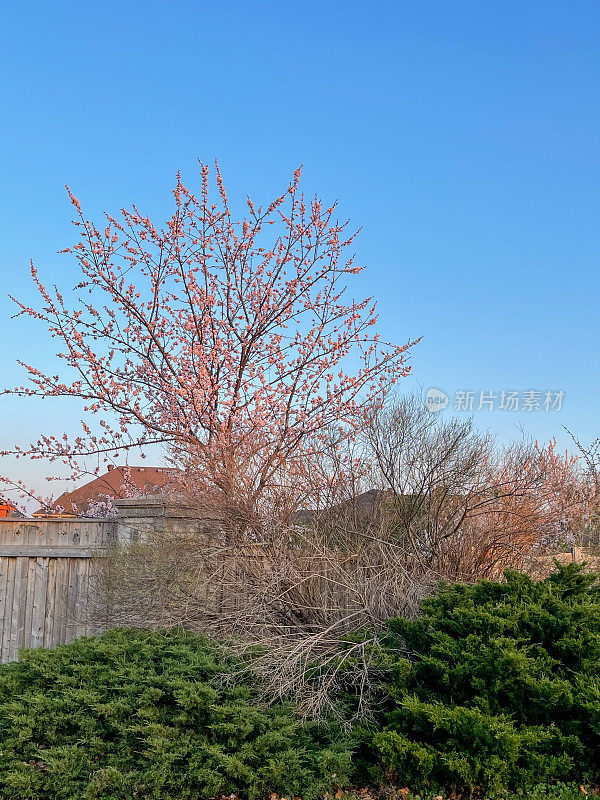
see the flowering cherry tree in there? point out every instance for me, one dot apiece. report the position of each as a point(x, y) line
point(231, 343)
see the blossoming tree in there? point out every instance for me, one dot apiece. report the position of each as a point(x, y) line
point(231, 343)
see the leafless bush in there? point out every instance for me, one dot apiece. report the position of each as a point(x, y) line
point(587, 535)
point(467, 508)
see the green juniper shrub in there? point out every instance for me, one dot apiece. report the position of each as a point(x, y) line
point(495, 686)
point(152, 715)
point(558, 791)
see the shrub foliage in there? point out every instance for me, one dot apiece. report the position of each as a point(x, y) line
point(496, 685)
point(150, 715)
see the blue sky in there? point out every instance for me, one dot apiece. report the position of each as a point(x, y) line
point(463, 137)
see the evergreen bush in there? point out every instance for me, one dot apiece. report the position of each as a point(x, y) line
point(496, 685)
point(155, 716)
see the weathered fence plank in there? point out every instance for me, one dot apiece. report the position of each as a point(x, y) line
point(50, 600)
point(18, 609)
point(8, 602)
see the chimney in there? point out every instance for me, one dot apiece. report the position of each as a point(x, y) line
point(111, 466)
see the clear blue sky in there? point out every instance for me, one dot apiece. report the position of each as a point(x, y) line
point(463, 137)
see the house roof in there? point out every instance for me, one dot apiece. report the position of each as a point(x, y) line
point(116, 483)
point(365, 503)
point(8, 510)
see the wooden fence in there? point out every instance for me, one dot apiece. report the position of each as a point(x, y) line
point(44, 580)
